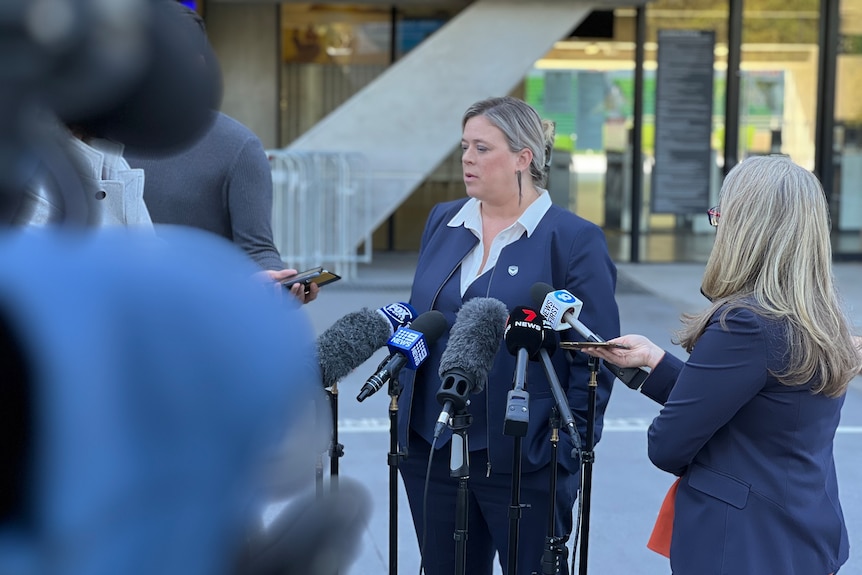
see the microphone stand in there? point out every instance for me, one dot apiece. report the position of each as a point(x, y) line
point(318, 476)
point(515, 425)
point(587, 459)
point(555, 547)
point(454, 387)
point(336, 450)
point(562, 401)
point(459, 466)
point(393, 458)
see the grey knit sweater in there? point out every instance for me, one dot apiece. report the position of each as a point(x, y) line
point(222, 184)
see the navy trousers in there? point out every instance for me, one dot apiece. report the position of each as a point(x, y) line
point(489, 499)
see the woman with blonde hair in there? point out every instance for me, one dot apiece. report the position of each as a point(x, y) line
point(497, 242)
point(749, 419)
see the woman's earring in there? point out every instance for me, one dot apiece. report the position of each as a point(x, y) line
point(518, 176)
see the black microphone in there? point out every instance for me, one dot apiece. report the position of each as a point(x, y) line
point(561, 309)
point(549, 346)
point(524, 336)
point(469, 355)
point(408, 347)
point(550, 339)
point(350, 341)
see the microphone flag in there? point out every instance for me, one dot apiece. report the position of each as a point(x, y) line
point(556, 305)
point(411, 344)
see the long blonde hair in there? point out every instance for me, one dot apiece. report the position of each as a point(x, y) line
point(772, 254)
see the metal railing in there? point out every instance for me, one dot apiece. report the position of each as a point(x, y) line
point(321, 209)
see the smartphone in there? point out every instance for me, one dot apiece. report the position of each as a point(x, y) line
point(317, 275)
point(582, 344)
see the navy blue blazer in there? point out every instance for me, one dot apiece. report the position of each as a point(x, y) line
point(565, 251)
point(758, 494)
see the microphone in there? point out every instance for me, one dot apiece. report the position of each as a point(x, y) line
point(398, 315)
point(561, 309)
point(524, 337)
point(473, 344)
point(549, 338)
point(349, 342)
point(549, 346)
point(407, 347)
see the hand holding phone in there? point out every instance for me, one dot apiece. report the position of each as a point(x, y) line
point(583, 344)
point(317, 275)
point(631, 350)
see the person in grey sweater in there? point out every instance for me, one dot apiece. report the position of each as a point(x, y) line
point(222, 183)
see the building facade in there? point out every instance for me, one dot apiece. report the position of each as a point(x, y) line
point(795, 71)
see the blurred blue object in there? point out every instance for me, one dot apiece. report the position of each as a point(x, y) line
point(161, 378)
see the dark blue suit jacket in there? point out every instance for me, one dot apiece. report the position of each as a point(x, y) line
point(565, 251)
point(758, 493)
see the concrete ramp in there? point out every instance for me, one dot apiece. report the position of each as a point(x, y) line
point(408, 120)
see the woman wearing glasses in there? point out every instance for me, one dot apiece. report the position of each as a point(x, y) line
point(748, 421)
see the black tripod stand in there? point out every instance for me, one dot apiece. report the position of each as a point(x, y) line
point(452, 395)
point(459, 467)
point(393, 458)
point(587, 458)
point(336, 449)
point(555, 552)
point(515, 425)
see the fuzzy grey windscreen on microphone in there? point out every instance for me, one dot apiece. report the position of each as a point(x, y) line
point(475, 339)
point(349, 342)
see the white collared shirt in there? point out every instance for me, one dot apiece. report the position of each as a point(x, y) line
point(470, 216)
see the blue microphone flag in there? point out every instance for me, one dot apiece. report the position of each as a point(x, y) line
point(411, 344)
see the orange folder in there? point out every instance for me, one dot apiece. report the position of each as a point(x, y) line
point(659, 539)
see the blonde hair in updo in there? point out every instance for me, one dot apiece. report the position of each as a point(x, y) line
point(522, 128)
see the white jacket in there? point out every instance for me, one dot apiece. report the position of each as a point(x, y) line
point(117, 189)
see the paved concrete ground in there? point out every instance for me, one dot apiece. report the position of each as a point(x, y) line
point(627, 489)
